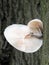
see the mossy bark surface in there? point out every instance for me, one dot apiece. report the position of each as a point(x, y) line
point(22, 11)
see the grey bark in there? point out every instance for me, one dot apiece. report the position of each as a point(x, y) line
point(22, 11)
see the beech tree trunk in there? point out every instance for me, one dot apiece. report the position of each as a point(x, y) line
point(22, 11)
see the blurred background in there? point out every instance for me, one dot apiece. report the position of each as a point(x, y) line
point(22, 11)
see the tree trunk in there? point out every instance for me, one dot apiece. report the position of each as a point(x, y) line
point(22, 11)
